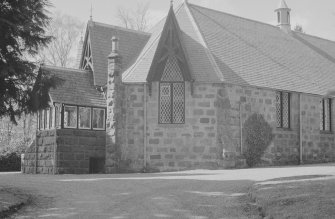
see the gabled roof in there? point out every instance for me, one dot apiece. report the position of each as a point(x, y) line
point(131, 43)
point(195, 50)
point(76, 88)
point(225, 48)
point(169, 47)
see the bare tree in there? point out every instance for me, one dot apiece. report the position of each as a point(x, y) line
point(136, 19)
point(62, 50)
point(17, 137)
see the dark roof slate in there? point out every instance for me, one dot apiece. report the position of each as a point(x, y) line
point(76, 88)
point(225, 48)
point(130, 43)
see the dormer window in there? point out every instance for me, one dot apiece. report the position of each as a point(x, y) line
point(278, 15)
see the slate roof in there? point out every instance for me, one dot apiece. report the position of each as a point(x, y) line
point(223, 47)
point(76, 88)
point(131, 42)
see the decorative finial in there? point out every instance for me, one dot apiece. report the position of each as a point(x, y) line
point(171, 3)
point(91, 15)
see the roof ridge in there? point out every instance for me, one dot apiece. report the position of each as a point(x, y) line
point(120, 28)
point(217, 11)
point(202, 38)
point(65, 68)
point(309, 35)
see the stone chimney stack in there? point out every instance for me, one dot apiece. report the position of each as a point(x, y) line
point(284, 16)
point(114, 105)
point(79, 52)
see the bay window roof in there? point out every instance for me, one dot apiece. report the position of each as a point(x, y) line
point(76, 87)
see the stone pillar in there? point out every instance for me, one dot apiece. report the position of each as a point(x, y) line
point(114, 105)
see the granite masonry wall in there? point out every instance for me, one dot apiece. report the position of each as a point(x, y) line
point(318, 146)
point(211, 135)
point(75, 149)
point(72, 149)
point(45, 143)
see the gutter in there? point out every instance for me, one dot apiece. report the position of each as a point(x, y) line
point(241, 128)
point(300, 133)
point(145, 127)
point(36, 149)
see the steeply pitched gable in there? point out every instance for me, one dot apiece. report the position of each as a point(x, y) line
point(99, 35)
point(170, 50)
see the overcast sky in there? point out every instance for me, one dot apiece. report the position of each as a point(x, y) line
point(316, 16)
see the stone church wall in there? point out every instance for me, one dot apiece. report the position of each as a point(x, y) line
point(211, 135)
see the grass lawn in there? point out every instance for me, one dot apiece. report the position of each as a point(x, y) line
point(300, 198)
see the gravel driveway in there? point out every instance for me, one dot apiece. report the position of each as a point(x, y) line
point(190, 194)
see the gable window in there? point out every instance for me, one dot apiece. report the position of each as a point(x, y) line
point(325, 115)
point(283, 109)
point(70, 116)
point(172, 94)
point(98, 120)
point(84, 118)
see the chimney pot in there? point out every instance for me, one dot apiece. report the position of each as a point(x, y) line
point(115, 44)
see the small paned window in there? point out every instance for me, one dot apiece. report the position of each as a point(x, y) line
point(98, 120)
point(325, 115)
point(47, 119)
point(52, 117)
point(84, 118)
point(283, 109)
point(42, 120)
point(58, 116)
point(172, 94)
point(70, 117)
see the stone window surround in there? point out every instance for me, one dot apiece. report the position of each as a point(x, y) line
point(53, 117)
point(323, 129)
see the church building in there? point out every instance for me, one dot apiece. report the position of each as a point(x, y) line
point(177, 97)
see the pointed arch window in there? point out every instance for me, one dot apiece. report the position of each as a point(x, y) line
point(87, 63)
point(172, 94)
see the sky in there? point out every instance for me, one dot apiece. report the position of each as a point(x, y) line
point(317, 17)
